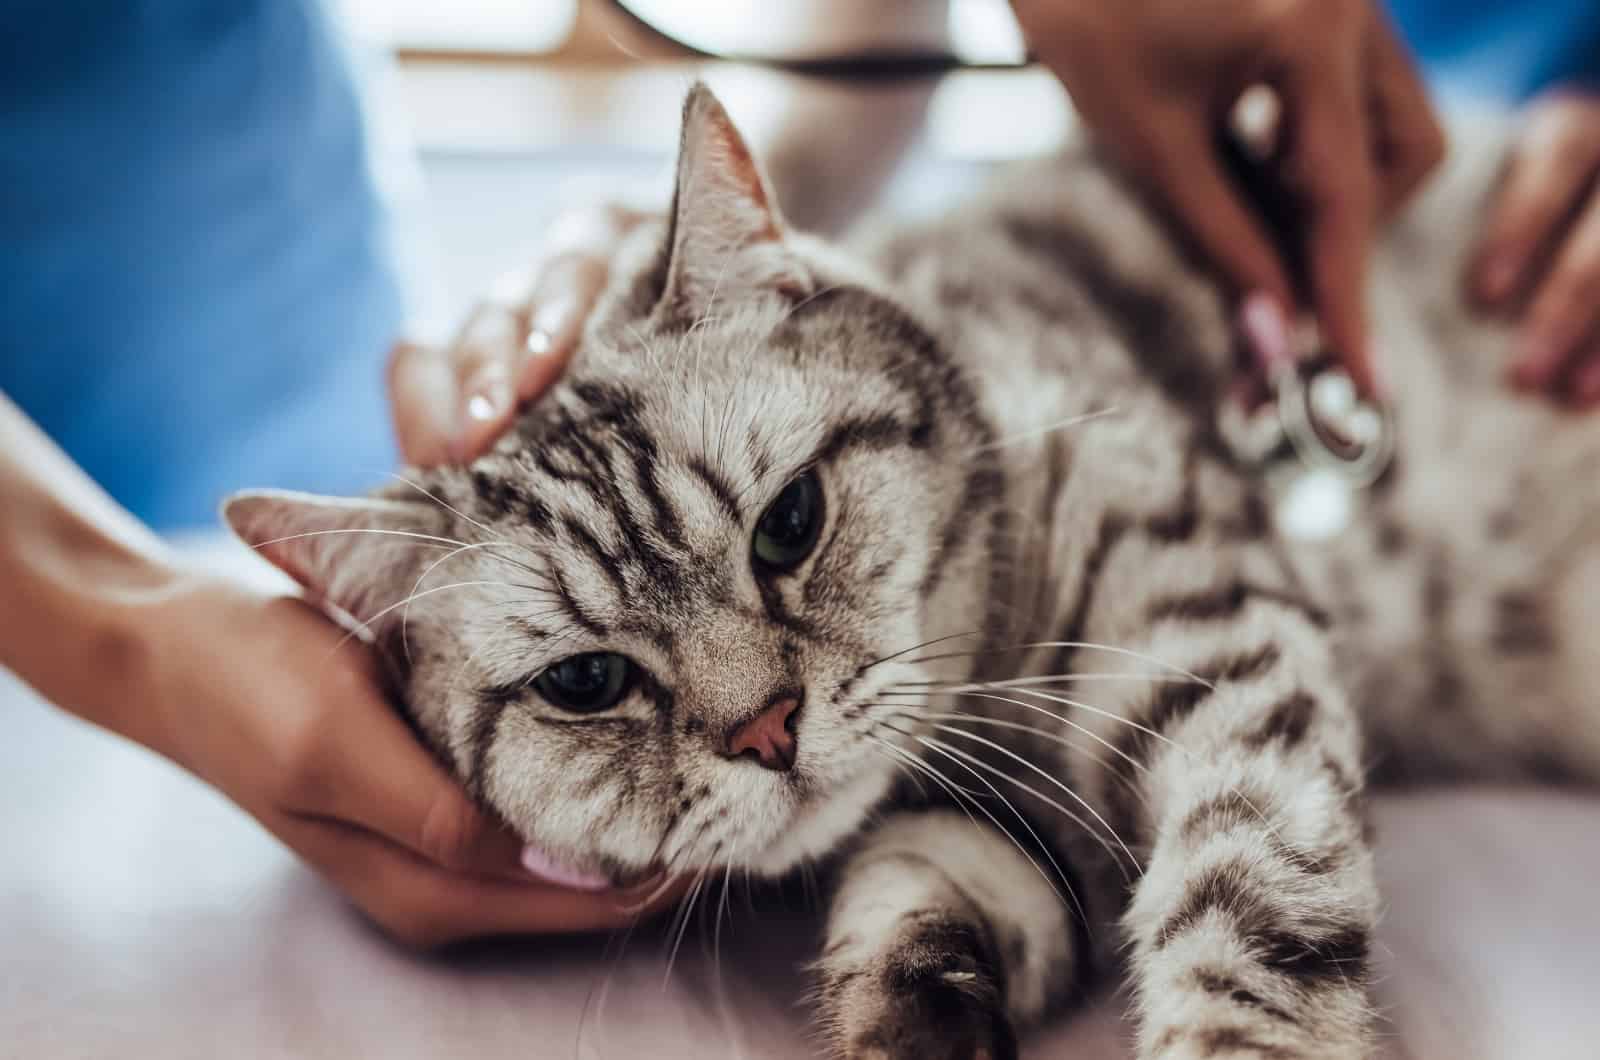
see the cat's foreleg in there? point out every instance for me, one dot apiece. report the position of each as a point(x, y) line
point(943, 937)
point(1251, 926)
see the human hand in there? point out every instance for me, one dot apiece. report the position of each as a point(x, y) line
point(451, 405)
point(1541, 247)
point(1158, 82)
point(269, 702)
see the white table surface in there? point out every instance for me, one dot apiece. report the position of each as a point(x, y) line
point(143, 916)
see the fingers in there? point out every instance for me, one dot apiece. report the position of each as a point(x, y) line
point(1179, 163)
point(424, 906)
point(1565, 312)
point(452, 405)
point(1553, 165)
point(1407, 138)
point(486, 358)
point(359, 763)
point(1328, 115)
point(422, 401)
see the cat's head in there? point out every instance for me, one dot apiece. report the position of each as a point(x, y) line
point(659, 624)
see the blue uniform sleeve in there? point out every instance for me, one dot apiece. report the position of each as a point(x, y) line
point(196, 292)
point(1503, 49)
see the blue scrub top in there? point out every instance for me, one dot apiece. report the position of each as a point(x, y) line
point(195, 289)
point(1504, 49)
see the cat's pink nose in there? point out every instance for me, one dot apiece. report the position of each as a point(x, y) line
point(769, 737)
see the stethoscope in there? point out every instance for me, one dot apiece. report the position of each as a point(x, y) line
point(1315, 413)
point(1313, 417)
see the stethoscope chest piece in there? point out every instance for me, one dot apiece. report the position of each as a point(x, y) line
point(1316, 416)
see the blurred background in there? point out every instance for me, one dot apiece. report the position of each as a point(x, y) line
point(220, 214)
point(514, 109)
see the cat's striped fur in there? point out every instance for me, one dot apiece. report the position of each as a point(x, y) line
point(1070, 704)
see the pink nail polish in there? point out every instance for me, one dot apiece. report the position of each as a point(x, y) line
point(1266, 328)
point(540, 864)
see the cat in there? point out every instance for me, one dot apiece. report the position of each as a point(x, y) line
point(924, 558)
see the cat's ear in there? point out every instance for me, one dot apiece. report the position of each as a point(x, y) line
point(726, 236)
point(358, 554)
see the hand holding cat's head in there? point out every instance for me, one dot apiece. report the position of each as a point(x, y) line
point(657, 625)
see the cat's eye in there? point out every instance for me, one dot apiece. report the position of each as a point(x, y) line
point(788, 529)
point(587, 684)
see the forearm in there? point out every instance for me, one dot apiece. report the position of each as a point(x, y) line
point(76, 573)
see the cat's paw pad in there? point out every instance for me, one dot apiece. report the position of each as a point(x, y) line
point(934, 996)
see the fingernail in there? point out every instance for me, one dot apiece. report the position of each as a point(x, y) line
point(1266, 328)
point(540, 864)
point(551, 321)
point(487, 401)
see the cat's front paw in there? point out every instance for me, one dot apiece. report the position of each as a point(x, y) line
point(1245, 1043)
point(934, 995)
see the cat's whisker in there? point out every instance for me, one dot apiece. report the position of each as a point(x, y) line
point(1090, 733)
point(961, 796)
point(1071, 421)
point(1075, 818)
point(405, 616)
point(947, 782)
point(1076, 644)
point(1044, 848)
point(437, 589)
point(1107, 714)
point(1044, 679)
point(432, 539)
point(446, 506)
point(682, 923)
point(1053, 737)
point(796, 307)
point(925, 644)
point(922, 788)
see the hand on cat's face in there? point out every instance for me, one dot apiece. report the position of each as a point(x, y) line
point(296, 731)
point(1542, 247)
point(450, 404)
point(656, 628)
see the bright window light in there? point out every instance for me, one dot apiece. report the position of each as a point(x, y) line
point(465, 25)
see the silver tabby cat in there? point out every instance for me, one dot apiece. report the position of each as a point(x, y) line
point(925, 560)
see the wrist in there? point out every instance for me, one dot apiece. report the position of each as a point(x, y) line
point(80, 631)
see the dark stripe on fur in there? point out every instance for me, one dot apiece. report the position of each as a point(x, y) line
point(1222, 984)
point(1227, 600)
point(1287, 721)
point(583, 618)
point(1152, 326)
point(1335, 955)
point(1521, 625)
point(876, 433)
point(610, 565)
point(1113, 526)
point(720, 489)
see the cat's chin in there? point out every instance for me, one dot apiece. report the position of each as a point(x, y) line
point(822, 823)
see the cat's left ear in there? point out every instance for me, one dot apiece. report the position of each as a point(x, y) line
point(358, 554)
point(727, 237)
